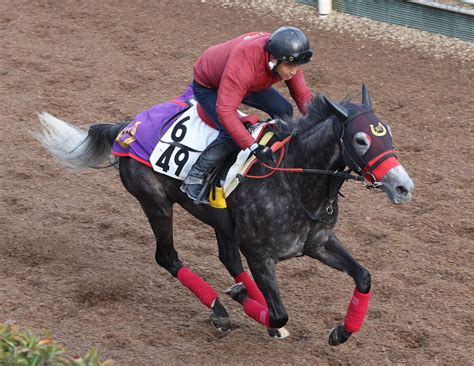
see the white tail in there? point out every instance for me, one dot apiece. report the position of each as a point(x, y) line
point(69, 144)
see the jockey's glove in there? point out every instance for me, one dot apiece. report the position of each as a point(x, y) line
point(262, 152)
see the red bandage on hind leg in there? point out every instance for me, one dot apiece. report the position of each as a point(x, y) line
point(252, 289)
point(256, 311)
point(198, 286)
point(356, 311)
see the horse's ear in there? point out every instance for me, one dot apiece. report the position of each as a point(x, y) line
point(339, 110)
point(365, 96)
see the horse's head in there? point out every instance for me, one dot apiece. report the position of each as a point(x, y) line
point(367, 148)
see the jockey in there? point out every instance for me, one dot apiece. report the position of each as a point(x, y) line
point(243, 70)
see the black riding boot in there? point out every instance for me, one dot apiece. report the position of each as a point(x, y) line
point(195, 183)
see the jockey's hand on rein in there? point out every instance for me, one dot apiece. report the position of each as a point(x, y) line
point(263, 153)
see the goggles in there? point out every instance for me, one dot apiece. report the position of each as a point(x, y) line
point(298, 58)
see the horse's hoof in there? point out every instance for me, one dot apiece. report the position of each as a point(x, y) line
point(278, 333)
point(237, 292)
point(338, 335)
point(220, 317)
point(220, 323)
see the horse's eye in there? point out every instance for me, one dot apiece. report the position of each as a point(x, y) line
point(361, 143)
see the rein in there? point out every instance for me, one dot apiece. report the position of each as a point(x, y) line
point(280, 145)
point(337, 177)
point(337, 180)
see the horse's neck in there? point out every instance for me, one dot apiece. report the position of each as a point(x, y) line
point(317, 148)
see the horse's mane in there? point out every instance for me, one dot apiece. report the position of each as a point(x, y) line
point(318, 111)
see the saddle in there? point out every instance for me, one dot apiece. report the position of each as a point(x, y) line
point(170, 136)
point(228, 174)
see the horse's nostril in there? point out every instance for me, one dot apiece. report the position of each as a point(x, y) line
point(401, 190)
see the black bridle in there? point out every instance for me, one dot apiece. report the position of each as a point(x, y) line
point(337, 178)
point(355, 163)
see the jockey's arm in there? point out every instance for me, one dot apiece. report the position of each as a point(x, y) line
point(299, 91)
point(232, 90)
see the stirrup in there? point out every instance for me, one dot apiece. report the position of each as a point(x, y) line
point(200, 184)
point(202, 198)
point(206, 183)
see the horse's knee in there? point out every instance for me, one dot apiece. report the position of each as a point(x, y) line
point(364, 281)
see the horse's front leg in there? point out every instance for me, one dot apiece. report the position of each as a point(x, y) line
point(274, 315)
point(332, 253)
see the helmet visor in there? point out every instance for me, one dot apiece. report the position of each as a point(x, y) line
point(298, 58)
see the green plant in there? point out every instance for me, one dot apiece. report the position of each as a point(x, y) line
point(23, 348)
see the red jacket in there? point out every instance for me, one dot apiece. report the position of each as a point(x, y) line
point(239, 67)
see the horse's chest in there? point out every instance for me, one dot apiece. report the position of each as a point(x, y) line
point(314, 234)
point(291, 245)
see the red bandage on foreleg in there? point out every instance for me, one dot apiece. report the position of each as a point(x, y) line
point(198, 286)
point(256, 311)
point(252, 289)
point(356, 311)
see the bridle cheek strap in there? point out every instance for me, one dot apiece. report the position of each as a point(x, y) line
point(380, 165)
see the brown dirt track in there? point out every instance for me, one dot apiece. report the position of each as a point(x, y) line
point(76, 252)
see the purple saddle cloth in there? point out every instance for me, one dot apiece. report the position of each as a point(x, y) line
point(140, 137)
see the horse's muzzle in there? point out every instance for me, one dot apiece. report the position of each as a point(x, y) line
point(398, 185)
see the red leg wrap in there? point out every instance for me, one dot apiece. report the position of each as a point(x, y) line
point(356, 311)
point(251, 286)
point(198, 286)
point(256, 311)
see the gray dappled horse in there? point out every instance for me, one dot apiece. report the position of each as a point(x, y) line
point(283, 216)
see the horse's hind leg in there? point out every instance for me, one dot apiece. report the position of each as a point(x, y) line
point(229, 255)
point(333, 254)
point(145, 186)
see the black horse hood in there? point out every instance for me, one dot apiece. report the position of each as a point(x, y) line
point(363, 119)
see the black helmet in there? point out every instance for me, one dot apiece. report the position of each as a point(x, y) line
point(289, 44)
